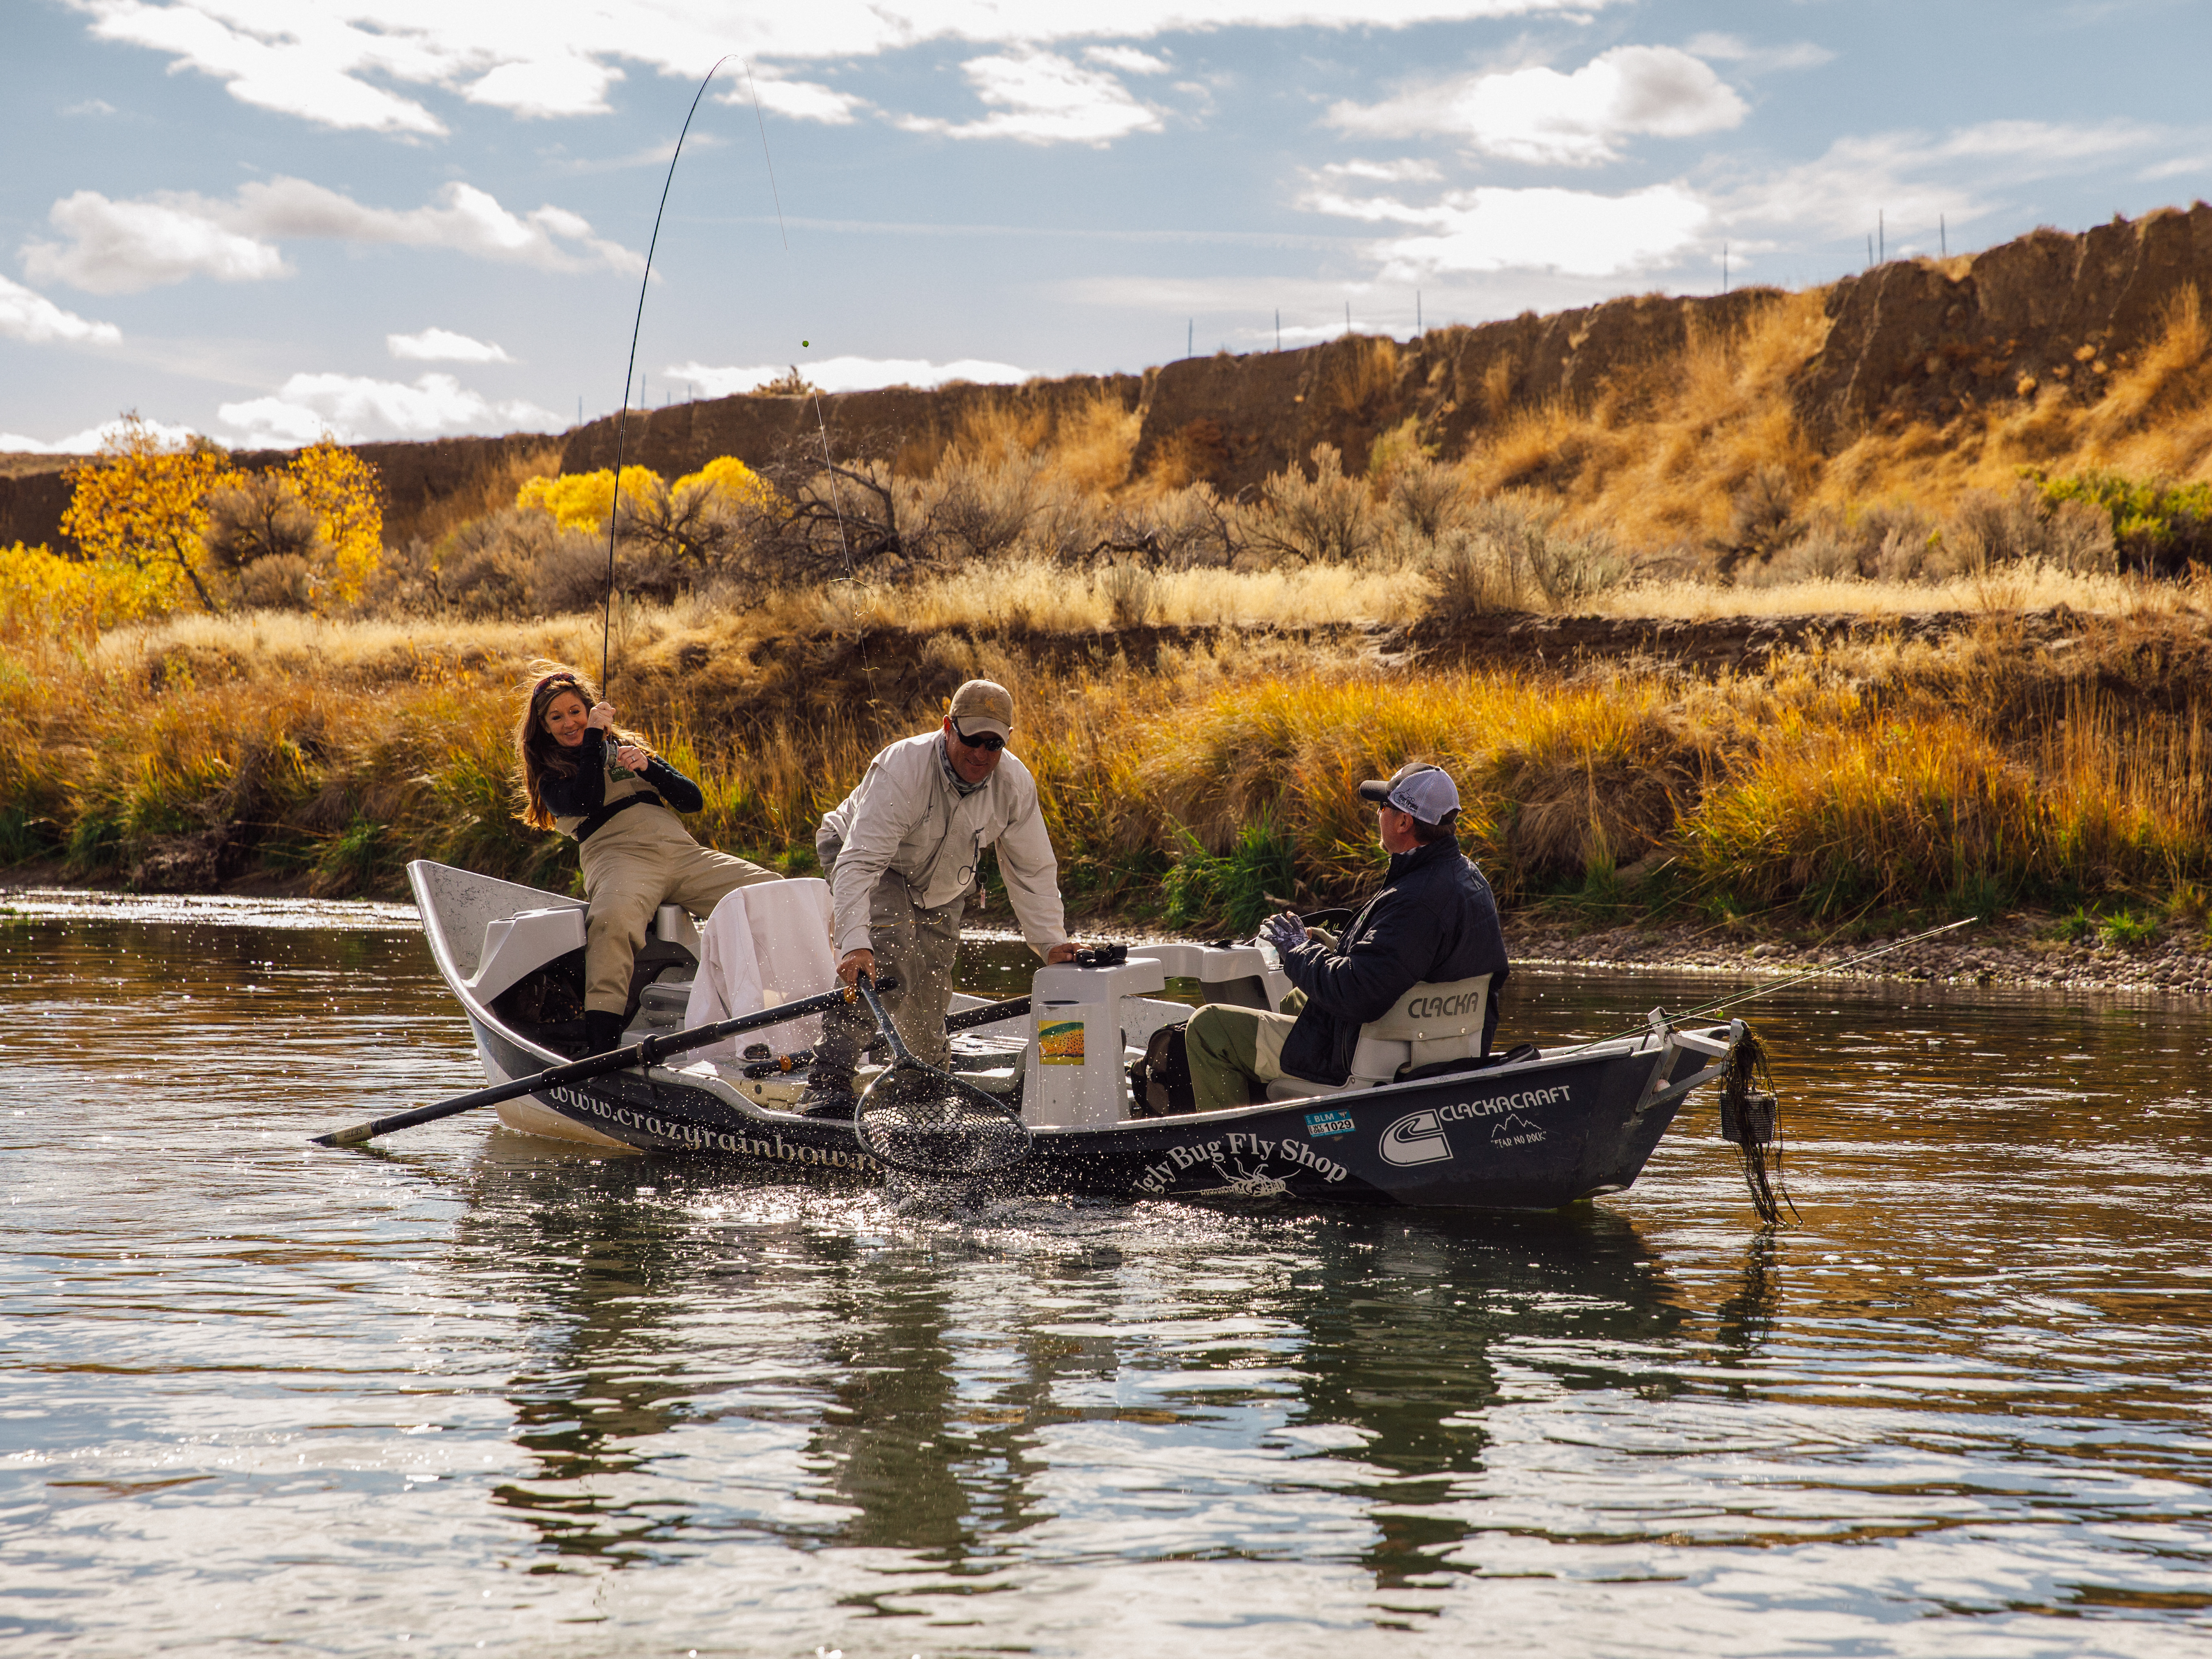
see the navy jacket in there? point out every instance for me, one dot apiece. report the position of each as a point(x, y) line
point(1434, 920)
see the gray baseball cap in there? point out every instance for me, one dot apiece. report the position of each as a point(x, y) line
point(1425, 790)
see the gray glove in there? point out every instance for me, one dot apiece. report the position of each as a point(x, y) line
point(1285, 931)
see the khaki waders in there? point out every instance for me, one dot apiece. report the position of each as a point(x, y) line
point(1234, 1053)
point(634, 863)
point(914, 948)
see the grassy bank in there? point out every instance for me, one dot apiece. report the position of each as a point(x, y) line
point(1187, 773)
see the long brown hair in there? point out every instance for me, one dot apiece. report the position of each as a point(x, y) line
point(536, 751)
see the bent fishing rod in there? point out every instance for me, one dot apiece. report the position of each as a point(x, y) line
point(636, 328)
point(629, 371)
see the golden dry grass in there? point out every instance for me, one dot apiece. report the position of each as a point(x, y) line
point(1844, 782)
point(1657, 458)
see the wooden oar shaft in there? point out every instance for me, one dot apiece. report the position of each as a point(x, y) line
point(642, 1053)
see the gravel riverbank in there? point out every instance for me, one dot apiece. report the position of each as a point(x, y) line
point(2015, 950)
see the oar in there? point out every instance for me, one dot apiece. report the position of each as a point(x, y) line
point(615, 1060)
point(916, 1118)
point(989, 1014)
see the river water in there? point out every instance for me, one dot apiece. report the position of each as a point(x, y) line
point(473, 1393)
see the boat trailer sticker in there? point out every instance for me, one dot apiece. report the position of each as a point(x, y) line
point(1329, 1123)
point(1061, 1042)
point(1242, 1163)
point(1420, 1137)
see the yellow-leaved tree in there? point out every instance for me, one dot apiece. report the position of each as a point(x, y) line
point(347, 499)
point(730, 478)
point(582, 500)
point(143, 504)
point(45, 594)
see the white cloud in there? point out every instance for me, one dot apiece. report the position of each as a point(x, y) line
point(2185, 166)
point(354, 407)
point(1912, 178)
point(335, 62)
point(90, 106)
point(846, 374)
point(25, 315)
point(1127, 59)
point(1578, 233)
point(1734, 49)
point(1387, 173)
point(802, 100)
point(122, 247)
point(442, 345)
point(561, 84)
point(1042, 98)
point(1543, 116)
point(88, 441)
point(296, 59)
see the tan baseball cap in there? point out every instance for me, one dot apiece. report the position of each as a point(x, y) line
point(984, 706)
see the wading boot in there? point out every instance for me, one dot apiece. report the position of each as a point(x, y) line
point(602, 1030)
point(827, 1098)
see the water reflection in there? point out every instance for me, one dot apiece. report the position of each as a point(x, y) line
point(479, 1390)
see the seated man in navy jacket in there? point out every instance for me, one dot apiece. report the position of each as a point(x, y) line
point(1434, 921)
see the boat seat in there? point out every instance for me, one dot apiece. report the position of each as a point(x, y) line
point(1433, 1022)
point(517, 945)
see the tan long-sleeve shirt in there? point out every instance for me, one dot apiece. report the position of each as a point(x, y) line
point(906, 816)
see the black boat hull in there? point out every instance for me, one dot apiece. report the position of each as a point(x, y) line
point(1532, 1136)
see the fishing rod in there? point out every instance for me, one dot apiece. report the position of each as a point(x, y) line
point(637, 325)
point(629, 372)
point(1661, 1015)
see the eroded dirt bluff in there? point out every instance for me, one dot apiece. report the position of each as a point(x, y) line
point(2051, 313)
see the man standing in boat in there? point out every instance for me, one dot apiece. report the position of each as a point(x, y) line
point(900, 851)
point(1434, 923)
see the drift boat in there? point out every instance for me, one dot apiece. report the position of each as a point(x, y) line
point(1422, 1121)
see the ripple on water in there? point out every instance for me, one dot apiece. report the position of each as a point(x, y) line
point(473, 1389)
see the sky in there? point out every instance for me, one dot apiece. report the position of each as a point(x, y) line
point(267, 219)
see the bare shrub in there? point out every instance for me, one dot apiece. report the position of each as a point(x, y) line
point(691, 525)
point(1988, 529)
point(819, 522)
point(1426, 496)
point(513, 564)
point(981, 505)
point(1468, 575)
point(1130, 591)
point(1187, 529)
point(1535, 559)
point(1824, 553)
point(260, 517)
point(1323, 520)
point(278, 582)
point(1762, 521)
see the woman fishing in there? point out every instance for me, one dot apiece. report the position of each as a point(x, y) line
point(587, 777)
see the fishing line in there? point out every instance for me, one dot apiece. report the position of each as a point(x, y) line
point(836, 500)
point(1778, 985)
point(622, 421)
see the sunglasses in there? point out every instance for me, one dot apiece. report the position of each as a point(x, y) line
point(989, 742)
